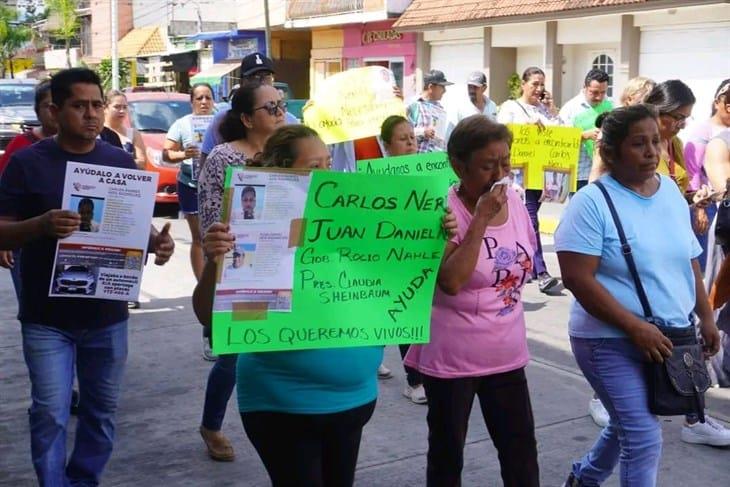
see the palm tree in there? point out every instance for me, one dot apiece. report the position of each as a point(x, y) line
point(12, 37)
point(64, 14)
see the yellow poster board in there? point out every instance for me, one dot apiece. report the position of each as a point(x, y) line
point(19, 64)
point(353, 104)
point(546, 159)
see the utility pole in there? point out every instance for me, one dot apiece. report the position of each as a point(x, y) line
point(268, 29)
point(115, 54)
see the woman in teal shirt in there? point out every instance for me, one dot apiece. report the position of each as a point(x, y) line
point(303, 410)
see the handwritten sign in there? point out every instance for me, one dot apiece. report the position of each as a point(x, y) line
point(364, 270)
point(540, 157)
point(353, 104)
point(431, 163)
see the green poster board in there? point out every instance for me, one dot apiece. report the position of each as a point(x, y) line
point(435, 163)
point(364, 272)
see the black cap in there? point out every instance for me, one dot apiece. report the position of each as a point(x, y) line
point(477, 78)
point(253, 63)
point(436, 77)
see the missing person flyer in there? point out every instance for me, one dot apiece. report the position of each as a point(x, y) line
point(198, 125)
point(104, 259)
point(263, 208)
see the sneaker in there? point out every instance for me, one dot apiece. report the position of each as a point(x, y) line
point(384, 372)
point(711, 432)
point(598, 413)
point(416, 394)
point(207, 351)
point(546, 282)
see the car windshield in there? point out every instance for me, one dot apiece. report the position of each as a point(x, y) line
point(76, 268)
point(157, 116)
point(16, 95)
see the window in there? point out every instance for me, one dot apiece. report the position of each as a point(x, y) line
point(395, 65)
point(605, 62)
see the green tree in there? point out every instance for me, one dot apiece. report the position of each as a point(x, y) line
point(105, 73)
point(13, 36)
point(514, 83)
point(67, 28)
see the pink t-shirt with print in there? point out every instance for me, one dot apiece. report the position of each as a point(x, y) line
point(481, 330)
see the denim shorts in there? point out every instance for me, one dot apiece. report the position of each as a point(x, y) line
point(188, 198)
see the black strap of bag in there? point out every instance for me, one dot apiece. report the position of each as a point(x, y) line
point(669, 383)
point(626, 250)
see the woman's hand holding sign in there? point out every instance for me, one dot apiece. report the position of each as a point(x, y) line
point(217, 241)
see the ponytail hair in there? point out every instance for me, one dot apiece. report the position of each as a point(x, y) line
point(232, 127)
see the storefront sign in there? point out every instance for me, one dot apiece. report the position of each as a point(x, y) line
point(303, 9)
point(370, 36)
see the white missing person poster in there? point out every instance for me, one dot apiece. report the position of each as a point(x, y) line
point(263, 210)
point(104, 259)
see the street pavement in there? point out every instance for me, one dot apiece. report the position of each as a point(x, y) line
point(159, 413)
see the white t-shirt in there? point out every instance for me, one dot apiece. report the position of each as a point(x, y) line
point(515, 111)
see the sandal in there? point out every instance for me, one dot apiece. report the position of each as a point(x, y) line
point(219, 448)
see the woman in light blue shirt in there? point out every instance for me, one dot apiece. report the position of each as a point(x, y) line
point(610, 338)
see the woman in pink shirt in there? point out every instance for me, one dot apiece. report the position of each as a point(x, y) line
point(478, 340)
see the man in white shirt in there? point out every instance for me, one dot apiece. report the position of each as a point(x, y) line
point(479, 102)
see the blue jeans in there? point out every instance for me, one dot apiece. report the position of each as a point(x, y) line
point(221, 381)
point(99, 356)
point(532, 202)
point(633, 437)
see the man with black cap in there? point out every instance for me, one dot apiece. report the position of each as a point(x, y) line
point(479, 102)
point(255, 66)
point(427, 114)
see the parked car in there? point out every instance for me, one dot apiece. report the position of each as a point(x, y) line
point(16, 108)
point(152, 113)
point(75, 279)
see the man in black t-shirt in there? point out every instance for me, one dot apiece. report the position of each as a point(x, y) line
point(59, 333)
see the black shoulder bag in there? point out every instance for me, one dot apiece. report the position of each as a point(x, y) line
point(676, 386)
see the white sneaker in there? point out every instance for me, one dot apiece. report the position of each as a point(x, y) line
point(384, 372)
point(711, 432)
point(416, 394)
point(208, 352)
point(598, 413)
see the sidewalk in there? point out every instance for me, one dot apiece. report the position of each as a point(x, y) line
point(158, 442)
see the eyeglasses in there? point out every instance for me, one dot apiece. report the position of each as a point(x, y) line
point(677, 117)
point(263, 76)
point(273, 107)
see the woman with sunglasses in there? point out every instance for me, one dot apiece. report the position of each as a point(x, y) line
point(115, 116)
point(180, 148)
point(256, 112)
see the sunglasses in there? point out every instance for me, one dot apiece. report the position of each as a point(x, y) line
point(273, 107)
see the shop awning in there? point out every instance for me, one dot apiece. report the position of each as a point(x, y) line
point(214, 74)
point(142, 41)
point(433, 13)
